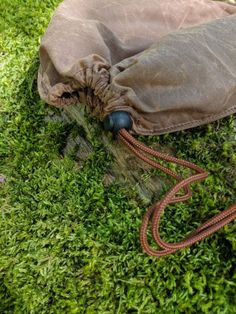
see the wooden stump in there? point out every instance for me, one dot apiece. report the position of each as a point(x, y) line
point(125, 168)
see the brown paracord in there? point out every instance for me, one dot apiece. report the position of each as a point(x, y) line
point(153, 215)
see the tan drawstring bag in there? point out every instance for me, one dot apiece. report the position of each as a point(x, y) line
point(170, 65)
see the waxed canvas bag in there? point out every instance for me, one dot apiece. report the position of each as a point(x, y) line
point(170, 65)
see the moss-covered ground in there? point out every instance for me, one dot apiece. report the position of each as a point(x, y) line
point(69, 244)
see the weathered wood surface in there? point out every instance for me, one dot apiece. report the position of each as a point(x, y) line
point(126, 168)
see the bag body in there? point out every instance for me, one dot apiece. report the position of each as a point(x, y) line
point(170, 64)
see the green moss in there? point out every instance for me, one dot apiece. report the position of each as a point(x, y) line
point(70, 245)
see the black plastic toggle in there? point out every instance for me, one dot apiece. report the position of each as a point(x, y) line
point(118, 120)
